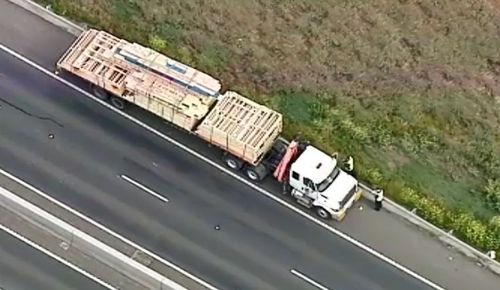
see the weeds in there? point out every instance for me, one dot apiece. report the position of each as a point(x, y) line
point(492, 194)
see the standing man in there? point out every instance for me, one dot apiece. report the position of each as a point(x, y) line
point(379, 197)
point(349, 165)
point(491, 254)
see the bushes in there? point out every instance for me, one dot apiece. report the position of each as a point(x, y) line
point(477, 233)
point(157, 43)
point(492, 194)
point(429, 209)
point(482, 235)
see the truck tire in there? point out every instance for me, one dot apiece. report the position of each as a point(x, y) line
point(99, 92)
point(256, 173)
point(118, 103)
point(323, 213)
point(232, 162)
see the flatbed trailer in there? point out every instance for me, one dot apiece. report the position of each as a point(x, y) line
point(248, 133)
point(190, 99)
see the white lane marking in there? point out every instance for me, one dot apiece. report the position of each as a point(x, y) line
point(143, 187)
point(228, 172)
point(108, 231)
point(55, 257)
point(308, 280)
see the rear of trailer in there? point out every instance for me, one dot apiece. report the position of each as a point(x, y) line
point(241, 127)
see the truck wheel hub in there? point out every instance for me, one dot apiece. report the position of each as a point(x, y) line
point(252, 175)
point(322, 213)
point(231, 163)
point(117, 103)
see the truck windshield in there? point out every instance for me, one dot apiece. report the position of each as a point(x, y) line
point(328, 180)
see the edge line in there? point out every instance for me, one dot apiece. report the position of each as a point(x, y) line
point(55, 257)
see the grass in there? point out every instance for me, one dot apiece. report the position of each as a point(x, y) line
point(411, 88)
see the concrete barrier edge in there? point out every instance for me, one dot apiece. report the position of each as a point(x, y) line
point(40, 213)
point(443, 236)
point(49, 16)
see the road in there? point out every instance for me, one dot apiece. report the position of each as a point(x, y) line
point(259, 245)
point(25, 268)
point(259, 242)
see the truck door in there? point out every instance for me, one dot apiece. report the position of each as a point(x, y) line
point(309, 188)
point(295, 181)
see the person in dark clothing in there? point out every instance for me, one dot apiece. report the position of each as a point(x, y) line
point(379, 197)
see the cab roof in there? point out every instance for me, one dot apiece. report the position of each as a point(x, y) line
point(315, 164)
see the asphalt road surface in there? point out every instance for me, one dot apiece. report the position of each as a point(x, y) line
point(93, 146)
point(95, 158)
point(25, 268)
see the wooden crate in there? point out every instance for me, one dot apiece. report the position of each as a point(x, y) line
point(88, 57)
point(162, 98)
point(241, 127)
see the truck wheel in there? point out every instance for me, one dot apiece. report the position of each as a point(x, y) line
point(118, 103)
point(99, 92)
point(233, 162)
point(256, 173)
point(323, 213)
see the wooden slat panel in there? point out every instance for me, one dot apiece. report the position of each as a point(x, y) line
point(241, 126)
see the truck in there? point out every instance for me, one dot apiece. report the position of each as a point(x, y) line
point(248, 133)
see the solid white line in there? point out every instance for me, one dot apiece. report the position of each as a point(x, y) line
point(146, 189)
point(55, 257)
point(230, 173)
point(308, 280)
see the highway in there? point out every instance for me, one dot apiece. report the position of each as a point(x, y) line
point(25, 268)
point(86, 176)
point(167, 200)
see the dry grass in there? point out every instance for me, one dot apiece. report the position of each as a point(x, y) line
point(410, 87)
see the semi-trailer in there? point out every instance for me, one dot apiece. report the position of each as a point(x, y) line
point(247, 133)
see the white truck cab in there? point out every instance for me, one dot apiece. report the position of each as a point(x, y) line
point(316, 181)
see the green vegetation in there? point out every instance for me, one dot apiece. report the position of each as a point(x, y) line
point(411, 88)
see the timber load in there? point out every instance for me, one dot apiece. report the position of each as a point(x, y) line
point(241, 127)
point(177, 93)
